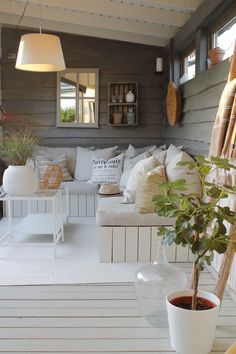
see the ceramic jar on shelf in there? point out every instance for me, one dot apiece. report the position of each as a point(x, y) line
point(129, 97)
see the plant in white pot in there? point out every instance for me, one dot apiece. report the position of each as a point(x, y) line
point(17, 146)
point(200, 225)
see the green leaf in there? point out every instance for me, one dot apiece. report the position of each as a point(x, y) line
point(227, 214)
point(179, 185)
point(169, 236)
point(197, 247)
point(209, 258)
point(191, 164)
point(216, 192)
point(221, 163)
point(201, 159)
point(219, 228)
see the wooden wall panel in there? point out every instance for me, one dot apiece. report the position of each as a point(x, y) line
point(31, 97)
point(201, 98)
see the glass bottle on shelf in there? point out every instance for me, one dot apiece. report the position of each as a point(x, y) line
point(130, 116)
point(153, 282)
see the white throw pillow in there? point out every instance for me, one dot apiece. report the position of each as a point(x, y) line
point(43, 161)
point(124, 179)
point(160, 155)
point(130, 162)
point(133, 151)
point(172, 151)
point(141, 167)
point(174, 171)
point(83, 166)
point(107, 171)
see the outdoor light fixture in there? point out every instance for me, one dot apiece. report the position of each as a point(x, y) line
point(159, 65)
point(39, 52)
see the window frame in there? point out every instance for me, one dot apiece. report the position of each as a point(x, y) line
point(222, 22)
point(77, 71)
point(184, 55)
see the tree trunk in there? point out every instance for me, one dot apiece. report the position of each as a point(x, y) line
point(196, 275)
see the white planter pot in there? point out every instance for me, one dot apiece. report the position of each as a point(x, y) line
point(20, 180)
point(192, 331)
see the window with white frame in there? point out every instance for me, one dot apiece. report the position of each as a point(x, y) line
point(225, 37)
point(189, 65)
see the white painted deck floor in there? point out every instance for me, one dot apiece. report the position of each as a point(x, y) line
point(94, 318)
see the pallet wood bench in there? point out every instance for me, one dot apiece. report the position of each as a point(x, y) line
point(127, 236)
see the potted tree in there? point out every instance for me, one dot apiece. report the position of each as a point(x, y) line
point(200, 225)
point(16, 147)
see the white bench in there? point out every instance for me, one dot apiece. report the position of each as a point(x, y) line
point(127, 236)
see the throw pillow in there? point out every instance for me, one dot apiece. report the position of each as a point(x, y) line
point(174, 171)
point(55, 152)
point(83, 166)
point(133, 151)
point(42, 162)
point(107, 171)
point(124, 179)
point(141, 167)
point(130, 162)
point(172, 151)
point(148, 187)
point(160, 155)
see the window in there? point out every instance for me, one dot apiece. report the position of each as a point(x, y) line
point(77, 98)
point(189, 65)
point(225, 37)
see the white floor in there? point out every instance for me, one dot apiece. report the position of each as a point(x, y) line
point(76, 262)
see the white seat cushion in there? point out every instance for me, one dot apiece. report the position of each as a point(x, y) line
point(76, 187)
point(111, 212)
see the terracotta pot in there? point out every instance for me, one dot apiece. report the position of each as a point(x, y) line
point(216, 55)
point(192, 331)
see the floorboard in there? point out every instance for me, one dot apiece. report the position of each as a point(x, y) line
point(91, 319)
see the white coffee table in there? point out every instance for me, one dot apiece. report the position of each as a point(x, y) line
point(49, 223)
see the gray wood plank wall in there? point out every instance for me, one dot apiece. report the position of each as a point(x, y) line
point(31, 97)
point(201, 98)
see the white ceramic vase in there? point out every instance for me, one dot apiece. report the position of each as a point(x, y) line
point(129, 97)
point(20, 180)
point(192, 331)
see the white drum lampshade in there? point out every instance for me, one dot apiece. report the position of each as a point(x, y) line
point(40, 52)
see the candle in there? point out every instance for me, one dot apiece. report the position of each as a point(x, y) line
point(159, 64)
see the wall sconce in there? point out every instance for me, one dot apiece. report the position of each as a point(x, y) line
point(159, 66)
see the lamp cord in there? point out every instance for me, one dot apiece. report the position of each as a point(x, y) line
point(23, 13)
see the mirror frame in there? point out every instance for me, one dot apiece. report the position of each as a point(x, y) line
point(60, 124)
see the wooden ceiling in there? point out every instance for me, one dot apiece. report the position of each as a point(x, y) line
point(152, 22)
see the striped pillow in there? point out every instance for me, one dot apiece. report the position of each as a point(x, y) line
point(43, 161)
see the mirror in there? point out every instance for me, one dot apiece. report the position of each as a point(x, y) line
point(77, 98)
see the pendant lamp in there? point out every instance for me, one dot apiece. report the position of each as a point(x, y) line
point(40, 52)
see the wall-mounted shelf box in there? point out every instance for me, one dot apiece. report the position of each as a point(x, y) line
point(118, 107)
